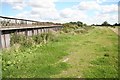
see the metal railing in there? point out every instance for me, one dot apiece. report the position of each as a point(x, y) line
point(7, 22)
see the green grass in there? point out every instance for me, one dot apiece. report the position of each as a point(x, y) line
point(37, 61)
point(90, 55)
point(93, 55)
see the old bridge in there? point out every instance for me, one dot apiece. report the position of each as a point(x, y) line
point(22, 26)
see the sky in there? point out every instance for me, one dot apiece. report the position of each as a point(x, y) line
point(62, 11)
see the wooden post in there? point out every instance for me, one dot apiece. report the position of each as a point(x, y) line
point(4, 40)
point(32, 32)
point(37, 32)
point(0, 39)
point(26, 33)
point(7, 40)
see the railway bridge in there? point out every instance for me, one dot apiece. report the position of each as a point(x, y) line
point(26, 27)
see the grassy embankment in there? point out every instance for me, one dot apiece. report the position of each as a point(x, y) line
point(87, 55)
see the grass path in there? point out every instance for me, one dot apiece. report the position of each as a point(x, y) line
point(89, 47)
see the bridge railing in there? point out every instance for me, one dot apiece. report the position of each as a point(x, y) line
point(7, 22)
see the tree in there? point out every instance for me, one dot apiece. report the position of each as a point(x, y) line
point(115, 24)
point(105, 23)
point(79, 23)
point(118, 24)
point(73, 23)
point(93, 25)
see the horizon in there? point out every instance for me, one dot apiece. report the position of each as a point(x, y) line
point(60, 11)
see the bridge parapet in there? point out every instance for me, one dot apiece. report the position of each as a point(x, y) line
point(7, 22)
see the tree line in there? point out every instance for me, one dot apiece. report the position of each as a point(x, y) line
point(105, 23)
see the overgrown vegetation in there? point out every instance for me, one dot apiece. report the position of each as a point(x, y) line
point(34, 60)
point(77, 27)
point(90, 55)
point(28, 41)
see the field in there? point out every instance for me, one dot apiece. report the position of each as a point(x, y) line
point(88, 55)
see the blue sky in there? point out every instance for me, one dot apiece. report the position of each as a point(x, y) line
point(88, 11)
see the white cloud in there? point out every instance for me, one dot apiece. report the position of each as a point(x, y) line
point(23, 15)
point(12, 1)
point(88, 5)
point(67, 13)
point(16, 4)
point(45, 13)
point(41, 10)
point(99, 18)
point(45, 10)
point(109, 8)
point(72, 14)
point(95, 5)
point(106, 12)
point(42, 3)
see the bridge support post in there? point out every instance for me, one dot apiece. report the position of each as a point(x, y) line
point(0, 40)
point(7, 40)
